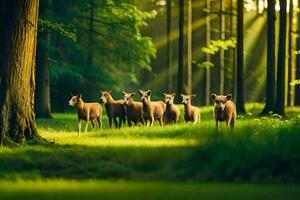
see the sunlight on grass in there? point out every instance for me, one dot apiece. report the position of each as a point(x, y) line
point(93, 140)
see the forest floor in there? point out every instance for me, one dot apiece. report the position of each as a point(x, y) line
point(260, 159)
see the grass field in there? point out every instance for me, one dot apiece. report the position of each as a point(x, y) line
point(181, 161)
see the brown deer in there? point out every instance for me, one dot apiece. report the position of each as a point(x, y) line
point(224, 110)
point(87, 112)
point(172, 112)
point(152, 110)
point(191, 113)
point(114, 109)
point(134, 110)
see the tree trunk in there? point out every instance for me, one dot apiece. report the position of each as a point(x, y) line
point(290, 93)
point(279, 105)
point(169, 45)
point(189, 46)
point(180, 51)
point(17, 119)
point(222, 37)
point(42, 93)
point(91, 34)
point(208, 58)
point(270, 84)
point(240, 102)
point(233, 88)
point(297, 87)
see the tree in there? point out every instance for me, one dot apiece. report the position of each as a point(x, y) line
point(42, 93)
point(189, 46)
point(222, 37)
point(233, 51)
point(17, 65)
point(297, 87)
point(240, 102)
point(270, 84)
point(91, 34)
point(180, 50)
point(290, 92)
point(208, 57)
point(169, 44)
point(280, 90)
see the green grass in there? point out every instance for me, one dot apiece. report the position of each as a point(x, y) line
point(259, 150)
point(91, 189)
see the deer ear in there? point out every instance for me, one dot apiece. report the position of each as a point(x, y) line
point(79, 96)
point(193, 96)
point(140, 92)
point(229, 96)
point(181, 95)
point(123, 93)
point(109, 91)
point(164, 94)
point(173, 94)
point(149, 92)
point(132, 94)
point(213, 96)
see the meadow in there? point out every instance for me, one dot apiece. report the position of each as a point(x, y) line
point(260, 159)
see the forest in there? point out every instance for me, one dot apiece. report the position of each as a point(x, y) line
point(150, 99)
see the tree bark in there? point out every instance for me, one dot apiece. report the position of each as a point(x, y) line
point(42, 93)
point(297, 87)
point(290, 92)
point(222, 37)
point(233, 88)
point(270, 84)
point(279, 105)
point(169, 44)
point(180, 51)
point(17, 64)
point(240, 102)
point(208, 58)
point(189, 46)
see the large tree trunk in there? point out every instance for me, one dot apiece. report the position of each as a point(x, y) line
point(240, 102)
point(270, 84)
point(17, 64)
point(42, 93)
point(169, 45)
point(297, 87)
point(208, 58)
point(222, 37)
point(279, 105)
point(189, 46)
point(180, 51)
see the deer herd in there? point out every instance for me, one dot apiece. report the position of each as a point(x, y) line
point(165, 112)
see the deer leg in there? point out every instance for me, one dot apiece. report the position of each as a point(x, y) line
point(79, 126)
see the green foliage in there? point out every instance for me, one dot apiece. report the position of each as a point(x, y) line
point(216, 45)
point(45, 25)
point(205, 64)
point(213, 48)
point(295, 82)
point(297, 52)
